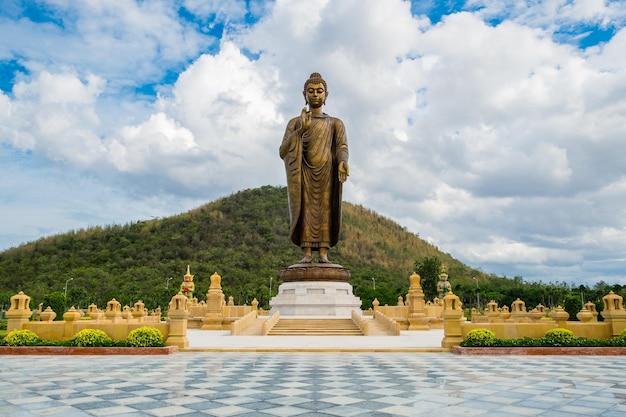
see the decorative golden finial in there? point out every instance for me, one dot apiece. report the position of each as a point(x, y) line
point(188, 275)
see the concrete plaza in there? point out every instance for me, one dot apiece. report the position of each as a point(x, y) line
point(396, 376)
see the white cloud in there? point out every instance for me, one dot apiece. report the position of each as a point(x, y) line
point(497, 143)
point(147, 147)
point(60, 89)
point(229, 103)
point(5, 106)
point(55, 115)
point(224, 11)
point(498, 250)
point(554, 14)
point(126, 42)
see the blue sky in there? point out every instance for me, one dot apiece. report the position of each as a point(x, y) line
point(492, 129)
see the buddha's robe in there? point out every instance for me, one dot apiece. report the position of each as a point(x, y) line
point(311, 163)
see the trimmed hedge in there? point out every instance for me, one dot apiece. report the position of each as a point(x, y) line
point(141, 337)
point(553, 338)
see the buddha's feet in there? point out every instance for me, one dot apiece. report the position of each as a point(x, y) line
point(307, 259)
point(324, 259)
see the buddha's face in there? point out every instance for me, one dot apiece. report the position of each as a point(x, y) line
point(315, 95)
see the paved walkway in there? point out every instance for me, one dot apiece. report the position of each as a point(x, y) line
point(312, 384)
point(222, 341)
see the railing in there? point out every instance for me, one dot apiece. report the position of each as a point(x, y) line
point(390, 324)
point(236, 327)
point(270, 323)
point(361, 323)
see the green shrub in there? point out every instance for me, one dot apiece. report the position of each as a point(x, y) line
point(22, 338)
point(617, 342)
point(559, 337)
point(622, 335)
point(91, 338)
point(552, 338)
point(521, 342)
point(145, 337)
point(479, 338)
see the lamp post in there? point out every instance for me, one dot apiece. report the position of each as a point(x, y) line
point(477, 293)
point(582, 298)
point(374, 282)
point(271, 278)
point(167, 283)
point(65, 290)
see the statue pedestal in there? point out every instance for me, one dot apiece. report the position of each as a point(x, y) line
point(315, 290)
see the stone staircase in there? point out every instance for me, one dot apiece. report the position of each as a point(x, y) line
point(376, 328)
point(315, 327)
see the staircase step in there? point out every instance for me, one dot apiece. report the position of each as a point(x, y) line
point(315, 327)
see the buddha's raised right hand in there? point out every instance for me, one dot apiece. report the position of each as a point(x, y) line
point(305, 117)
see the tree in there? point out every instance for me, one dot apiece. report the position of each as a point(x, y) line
point(428, 269)
point(572, 305)
point(56, 301)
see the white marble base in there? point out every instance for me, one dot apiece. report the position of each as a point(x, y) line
point(315, 298)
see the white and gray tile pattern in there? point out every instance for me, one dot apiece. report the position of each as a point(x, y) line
point(312, 384)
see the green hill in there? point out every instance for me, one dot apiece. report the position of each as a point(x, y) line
point(243, 237)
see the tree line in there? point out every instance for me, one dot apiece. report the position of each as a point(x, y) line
point(243, 237)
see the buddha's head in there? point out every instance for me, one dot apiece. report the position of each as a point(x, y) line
point(315, 90)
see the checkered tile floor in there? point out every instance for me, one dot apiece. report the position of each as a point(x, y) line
point(312, 384)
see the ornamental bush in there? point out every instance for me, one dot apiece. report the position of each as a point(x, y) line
point(145, 337)
point(480, 338)
point(552, 338)
point(22, 338)
point(559, 337)
point(91, 338)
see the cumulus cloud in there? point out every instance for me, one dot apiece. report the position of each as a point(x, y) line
point(140, 149)
point(55, 115)
point(229, 103)
point(126, 42)
point(484, 132)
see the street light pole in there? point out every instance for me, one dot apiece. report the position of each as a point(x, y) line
point(374, 282)
point(477, 293)
point(271, 278)
point(167, 283)
point(582, 299)
point(71, 279)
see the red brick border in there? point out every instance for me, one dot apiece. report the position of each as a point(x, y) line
point(587, 351)
point(67, 350)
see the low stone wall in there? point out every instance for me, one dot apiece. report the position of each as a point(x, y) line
point(269, 323)
point(113, 321)
point(413, 313)
point(538, 329)
point(360, 322)
point(517, 323)
point(389, 323)
point(215, 313)
point(398, 313)
point(238, 325)
point(62, 330)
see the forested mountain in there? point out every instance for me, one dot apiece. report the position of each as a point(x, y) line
point(245, 238)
